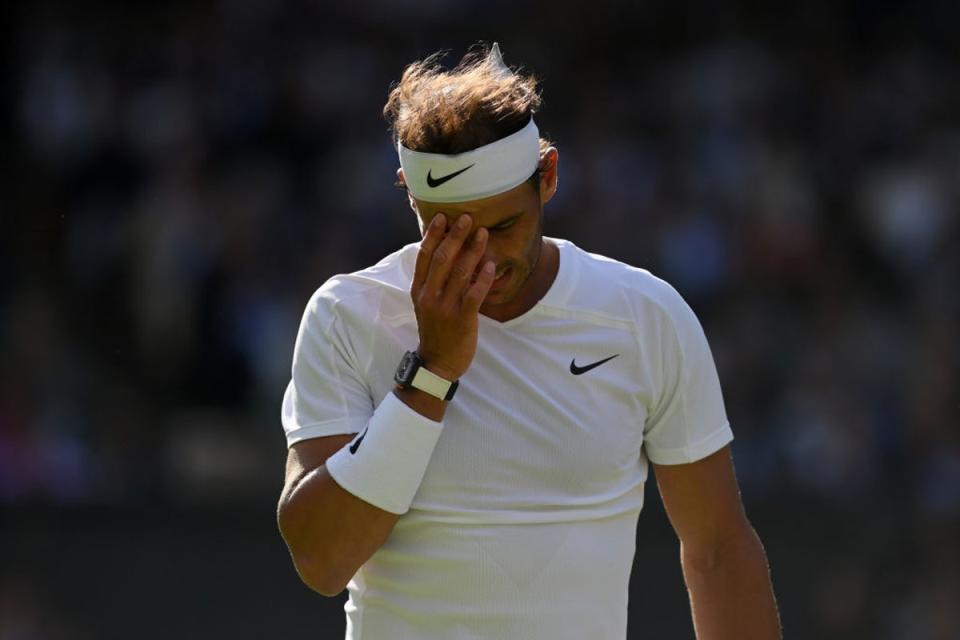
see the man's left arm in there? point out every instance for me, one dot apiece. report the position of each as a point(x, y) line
point(723, 561)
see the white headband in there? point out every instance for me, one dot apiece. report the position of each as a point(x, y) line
point(480, 173)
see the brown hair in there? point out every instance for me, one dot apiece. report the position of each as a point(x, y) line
point(437, 111)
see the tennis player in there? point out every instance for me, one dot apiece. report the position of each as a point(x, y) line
point(471, 420)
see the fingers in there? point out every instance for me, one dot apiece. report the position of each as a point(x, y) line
point(465, 266)
point(474, 296)
point(445, 255)
point(432, 237)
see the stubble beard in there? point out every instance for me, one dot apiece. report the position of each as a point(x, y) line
point(522, 277)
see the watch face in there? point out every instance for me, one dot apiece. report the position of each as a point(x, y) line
point(407, 368)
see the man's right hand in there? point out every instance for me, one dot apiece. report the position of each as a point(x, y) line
point(445, 297)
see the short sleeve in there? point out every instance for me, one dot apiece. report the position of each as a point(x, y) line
point(327, 394)
point(687, 421)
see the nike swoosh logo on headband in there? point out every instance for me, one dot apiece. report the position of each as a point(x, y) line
point(436, 182)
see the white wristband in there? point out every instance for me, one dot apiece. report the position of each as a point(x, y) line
point(385, 463)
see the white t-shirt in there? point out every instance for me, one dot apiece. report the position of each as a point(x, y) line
point(525, 522)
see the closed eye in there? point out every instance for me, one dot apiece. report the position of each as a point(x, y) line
point(506, 224)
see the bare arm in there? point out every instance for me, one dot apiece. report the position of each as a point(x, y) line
point(723, 561)
point(331, 532)
point(328, 531)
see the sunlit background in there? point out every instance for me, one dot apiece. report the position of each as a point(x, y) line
point(182, 176)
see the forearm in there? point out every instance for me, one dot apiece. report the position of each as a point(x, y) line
point(329, 531)
point(333, 522)
point(731, 595)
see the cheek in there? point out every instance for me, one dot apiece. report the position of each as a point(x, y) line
point(531, 247)
point(508, 247)
point(516, 245)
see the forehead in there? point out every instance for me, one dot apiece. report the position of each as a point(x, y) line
point(485, 211)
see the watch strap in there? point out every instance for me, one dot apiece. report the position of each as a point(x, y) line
point(429, 382)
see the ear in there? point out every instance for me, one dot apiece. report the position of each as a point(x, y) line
point(548, 174)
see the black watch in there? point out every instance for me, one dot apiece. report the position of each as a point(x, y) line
point(412, 373)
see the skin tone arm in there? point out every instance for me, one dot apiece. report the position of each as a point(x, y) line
point(330, 532)
point(724, 564)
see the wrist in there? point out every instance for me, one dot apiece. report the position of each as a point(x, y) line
point(411, 372)
point(446, 374)
point(431, 365)
point(423, 403)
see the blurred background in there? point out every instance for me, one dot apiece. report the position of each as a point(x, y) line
point(180, 177)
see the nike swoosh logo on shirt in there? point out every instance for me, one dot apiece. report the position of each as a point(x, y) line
point(575, 370)
point(356, 443)
point(436, 182)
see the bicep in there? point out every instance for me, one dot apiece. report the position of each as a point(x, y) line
point(306, 455)
point(702, 499)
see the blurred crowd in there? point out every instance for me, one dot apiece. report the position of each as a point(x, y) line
point(183, 178)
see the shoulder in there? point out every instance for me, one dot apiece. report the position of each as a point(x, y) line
point(622, 289)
